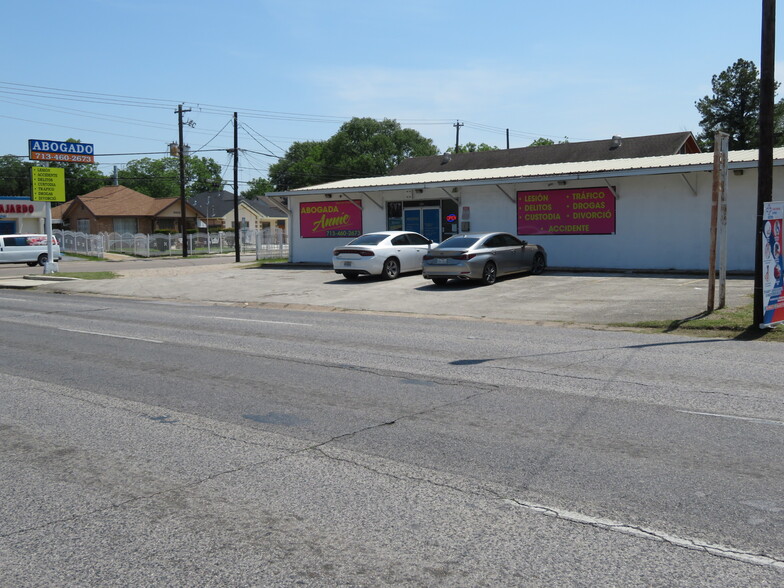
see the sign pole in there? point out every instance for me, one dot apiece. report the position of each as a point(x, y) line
point(50, 267)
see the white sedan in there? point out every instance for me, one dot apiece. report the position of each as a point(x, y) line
point(385, 253)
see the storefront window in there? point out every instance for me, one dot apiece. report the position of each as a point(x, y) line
point(394, 216)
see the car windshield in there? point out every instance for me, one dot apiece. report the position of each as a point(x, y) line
point(458, 243)
point(372, 239)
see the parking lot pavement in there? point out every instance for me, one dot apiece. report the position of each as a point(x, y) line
point(586, 298)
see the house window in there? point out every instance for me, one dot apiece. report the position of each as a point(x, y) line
point(124, 225)
point(83, 225)
point(165, 224)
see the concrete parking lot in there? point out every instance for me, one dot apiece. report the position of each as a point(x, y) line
point(584, 298)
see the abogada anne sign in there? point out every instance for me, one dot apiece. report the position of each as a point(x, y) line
point(61, 151)
point(330, 219)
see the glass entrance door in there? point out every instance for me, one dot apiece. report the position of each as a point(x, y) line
point(425, 220)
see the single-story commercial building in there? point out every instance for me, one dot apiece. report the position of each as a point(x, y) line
point(19, 214)
point(625, 203)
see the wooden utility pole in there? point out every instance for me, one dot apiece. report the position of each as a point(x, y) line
point(765, 164)
point(236, 196)
point(718, 229)
point(179, 112)
point(457, 126)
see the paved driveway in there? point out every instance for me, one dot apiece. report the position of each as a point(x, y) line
point(594, 298)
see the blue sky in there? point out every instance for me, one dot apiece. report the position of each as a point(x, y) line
point(112, 72)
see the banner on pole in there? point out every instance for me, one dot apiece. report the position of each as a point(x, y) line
point(772, 264)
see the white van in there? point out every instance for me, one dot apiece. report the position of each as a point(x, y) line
point(29, 249)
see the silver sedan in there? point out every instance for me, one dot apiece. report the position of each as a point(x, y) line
point(483, 257)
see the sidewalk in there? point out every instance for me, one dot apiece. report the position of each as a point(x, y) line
point(585, 298)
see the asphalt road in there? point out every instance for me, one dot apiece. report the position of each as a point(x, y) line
point(171, 443)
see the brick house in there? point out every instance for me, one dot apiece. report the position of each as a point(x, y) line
point(117, 209)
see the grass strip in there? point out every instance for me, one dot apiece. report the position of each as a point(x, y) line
point(729, 323)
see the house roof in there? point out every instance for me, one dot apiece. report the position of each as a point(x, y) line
point(602, 150)
point(117, 201)
point(669, 164)
point(220, 203)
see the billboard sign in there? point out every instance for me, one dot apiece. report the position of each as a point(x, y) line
point(772, 264)
point(48, 184)
point(578, 211)
point(61, 151)
point(330, 219)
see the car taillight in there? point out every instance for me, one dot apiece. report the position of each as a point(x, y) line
point(427, 257)
point(465, 256)
point(361, 252)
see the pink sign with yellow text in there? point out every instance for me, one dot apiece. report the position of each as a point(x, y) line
point(579, 211)
point(330, 219)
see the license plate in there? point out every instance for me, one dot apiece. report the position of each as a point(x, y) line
point(444, 261)
point(346, 264)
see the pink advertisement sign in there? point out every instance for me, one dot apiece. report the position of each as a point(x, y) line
point(773, 263)
point(577, 211)
point(330, 219)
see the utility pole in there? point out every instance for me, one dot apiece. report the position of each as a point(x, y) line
point(765, 164)
point(507, 138)
point(457, 126)
point(236, 196)
point(179, 112)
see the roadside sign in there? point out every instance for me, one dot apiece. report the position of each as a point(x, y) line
point(773, 264)
point(61, 151)
point(48, 184)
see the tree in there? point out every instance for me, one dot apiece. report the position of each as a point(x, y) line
point(472, 148)
point(14, 176)
point(160, 178)
point(368, 147)
point(734, 108)
point(542, 141)
point(257, 187)
point(302, 165)
point(362, 147)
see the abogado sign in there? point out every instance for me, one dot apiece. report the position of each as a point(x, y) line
point(61, 151)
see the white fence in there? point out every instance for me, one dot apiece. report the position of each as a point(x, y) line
point(266, 243)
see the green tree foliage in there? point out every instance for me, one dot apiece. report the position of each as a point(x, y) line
point(257, 187)
point(303, 165)
point(543, 141)
point(734, 108)
point(14, 176)
point(362, 147)
point(160, 178)
point(472, 148)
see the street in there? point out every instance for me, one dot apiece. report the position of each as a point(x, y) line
point(189, 444)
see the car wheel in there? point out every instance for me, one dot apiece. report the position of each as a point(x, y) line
point(489, 274)
point(351, 275)
point(539, 264)
point(42, 259)
point(440, 281)
point(391, 269)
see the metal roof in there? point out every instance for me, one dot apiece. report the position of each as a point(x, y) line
point(600, 150)
point(667, 164)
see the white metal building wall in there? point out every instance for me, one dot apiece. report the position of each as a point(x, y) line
point(660, 222)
